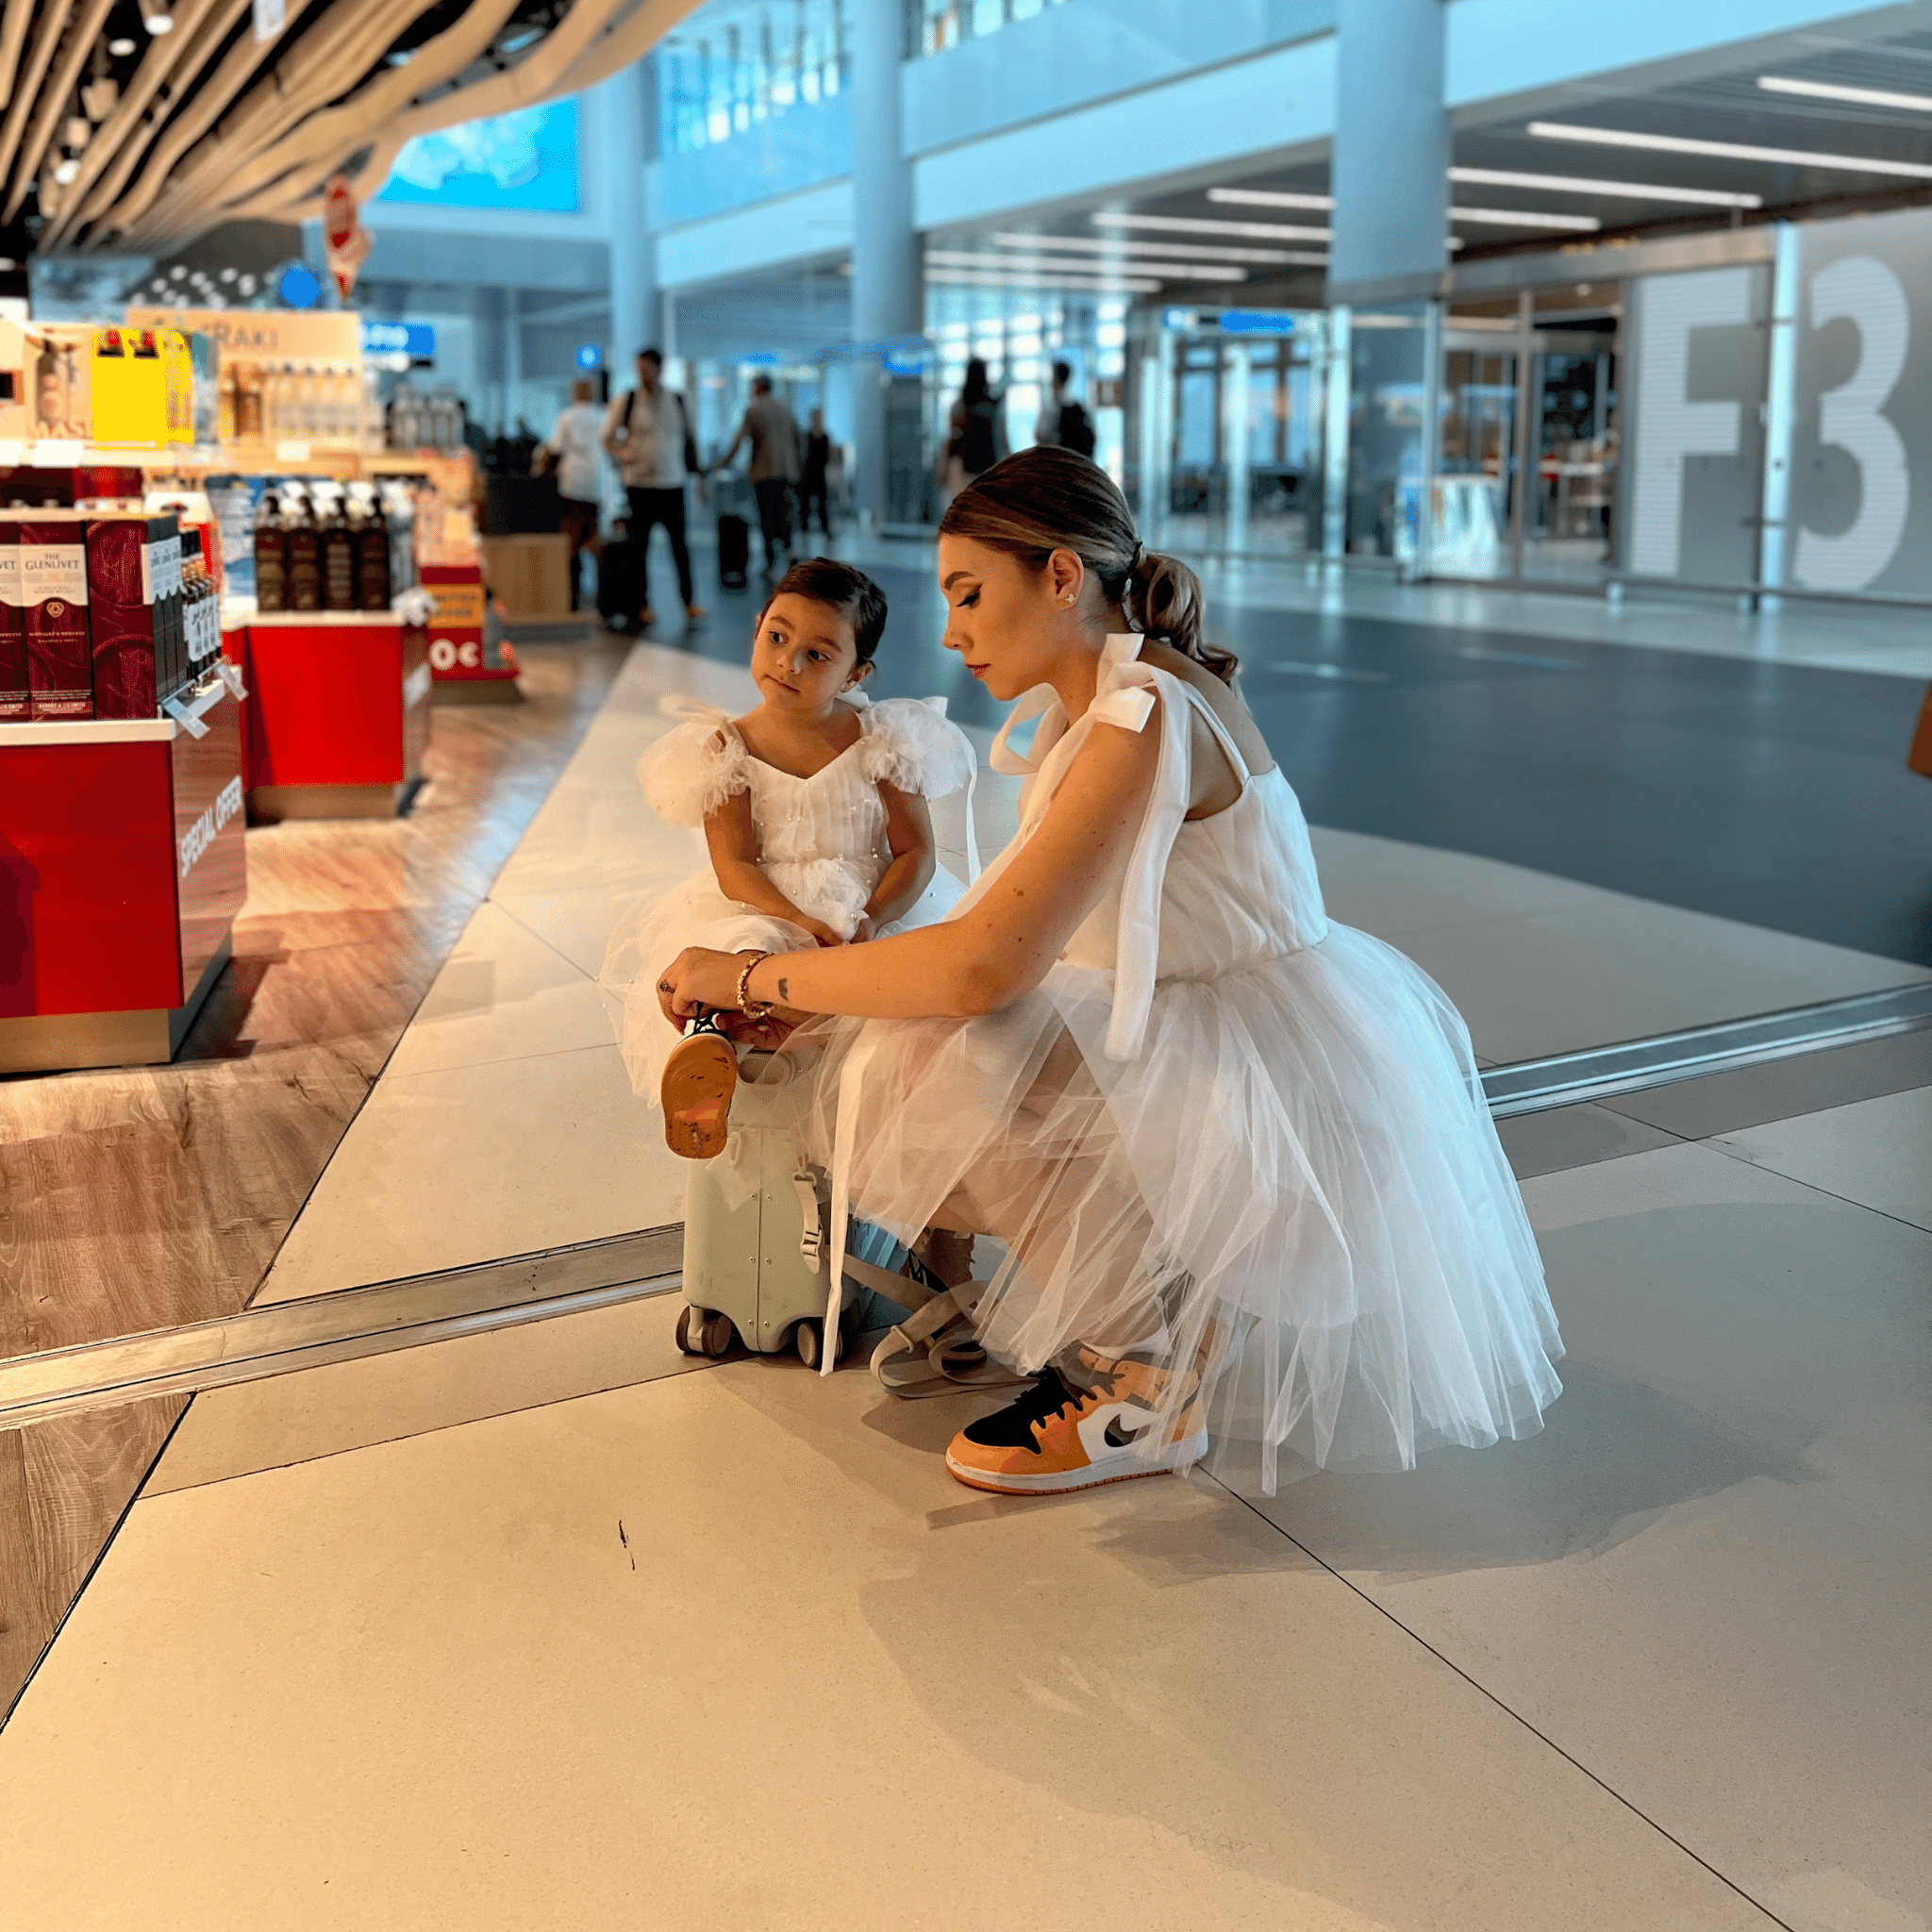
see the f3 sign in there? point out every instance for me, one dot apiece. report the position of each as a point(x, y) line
point(1832, 484)
point(1861, 420)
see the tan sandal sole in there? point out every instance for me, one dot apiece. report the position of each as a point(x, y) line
point(699, 1078)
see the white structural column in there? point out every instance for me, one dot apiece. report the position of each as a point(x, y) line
point(1391, 173)
point(886, 295)
point(622, 119)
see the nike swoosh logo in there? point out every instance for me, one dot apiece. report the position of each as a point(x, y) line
point(1117, 1438)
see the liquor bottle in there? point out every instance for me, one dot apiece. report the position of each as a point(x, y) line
point(304, 554)
point(372, 590)
point(249, 414)
point(338, 555)
point(271, 555)
point(201, 608)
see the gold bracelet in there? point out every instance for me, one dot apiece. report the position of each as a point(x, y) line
point(751, 1008)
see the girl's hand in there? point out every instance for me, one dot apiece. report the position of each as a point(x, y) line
point(863, 930)
point(698, 980)
point(823, 933)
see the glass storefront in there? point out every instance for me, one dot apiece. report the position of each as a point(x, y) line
point(1231, 433)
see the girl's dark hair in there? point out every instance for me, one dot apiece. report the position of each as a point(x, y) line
point(978, 389)
point(849, 591)
point(1046, 498)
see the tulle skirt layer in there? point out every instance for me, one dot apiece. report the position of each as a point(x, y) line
point(1293, 1199)
point(695, 914)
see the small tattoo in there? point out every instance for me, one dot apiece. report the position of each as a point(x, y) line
point(784, 989)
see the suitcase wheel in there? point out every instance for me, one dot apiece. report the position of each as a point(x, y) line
point(809, 1337)
point(700, 1332)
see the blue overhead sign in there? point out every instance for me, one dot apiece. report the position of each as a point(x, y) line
point(415, 340)
point(1256, 322)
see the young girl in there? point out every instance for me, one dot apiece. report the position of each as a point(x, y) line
point(813, 808)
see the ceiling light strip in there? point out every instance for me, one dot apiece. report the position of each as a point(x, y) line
point(1586, 184)
point(1730, 150)
point(1524, 218)
point(1268, 197)
point(1192, 225)
point(1858, 96)
point(1128, 245)
point(1185, 271)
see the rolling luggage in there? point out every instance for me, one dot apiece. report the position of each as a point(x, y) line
point(734, 551)
point(757, 1257)
point(757, 1267)
point(620, 587)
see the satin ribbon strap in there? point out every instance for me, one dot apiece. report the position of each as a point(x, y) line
point(1003, 758)
point(1129, 707)
point(1137, 945)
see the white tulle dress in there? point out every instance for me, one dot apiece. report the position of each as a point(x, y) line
point(822, 841)
point(1224, 1135)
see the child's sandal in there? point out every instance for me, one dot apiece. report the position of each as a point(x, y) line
point(700, 1075)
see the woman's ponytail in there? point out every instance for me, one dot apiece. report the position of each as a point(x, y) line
point(1165, 601)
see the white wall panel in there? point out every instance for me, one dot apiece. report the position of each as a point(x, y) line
point(1229, 114)
point(794, 228)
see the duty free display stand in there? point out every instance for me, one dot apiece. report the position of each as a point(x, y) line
point(339, 710)
point(468, 665)
point(122, 867)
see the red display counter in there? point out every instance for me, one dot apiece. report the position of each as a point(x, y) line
point(467, 666)
point(338, 711)
point(123, 866)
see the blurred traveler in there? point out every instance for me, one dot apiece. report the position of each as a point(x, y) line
point(771, 429)
point(1064, 421)
point(976, 434)
point(815, 485)
point(571, 449)
point(647, 431)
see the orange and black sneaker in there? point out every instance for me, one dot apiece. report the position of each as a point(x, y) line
point(1055, 1438)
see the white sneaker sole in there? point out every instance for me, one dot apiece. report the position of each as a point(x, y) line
point(1118, 1469)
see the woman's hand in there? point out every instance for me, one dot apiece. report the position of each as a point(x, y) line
point(697, 981)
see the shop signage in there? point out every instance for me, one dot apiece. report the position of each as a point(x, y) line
point(415, 340)
point(196, 840)
point(1695, 359)
point(266, 335)
point(1256, 322)
point(1859, 511)
point(345, 241)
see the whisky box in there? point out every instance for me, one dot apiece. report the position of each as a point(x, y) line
point(13, 680)
point(124, 623)
point(53, 573)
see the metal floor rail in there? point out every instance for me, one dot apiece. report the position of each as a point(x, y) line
point(420, 1308)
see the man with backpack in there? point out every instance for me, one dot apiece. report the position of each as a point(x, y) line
point(1063, 420)
point(647, 432)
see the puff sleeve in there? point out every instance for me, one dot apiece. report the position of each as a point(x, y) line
point(910, 743)
point(692, 771)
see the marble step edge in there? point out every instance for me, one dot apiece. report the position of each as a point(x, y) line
point(342, 1325)
point(1630, 1066)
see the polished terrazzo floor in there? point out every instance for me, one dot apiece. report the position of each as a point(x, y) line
point(553, 1626)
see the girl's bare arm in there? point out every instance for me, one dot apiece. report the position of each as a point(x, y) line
point(998, 949)
point(909, 836)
